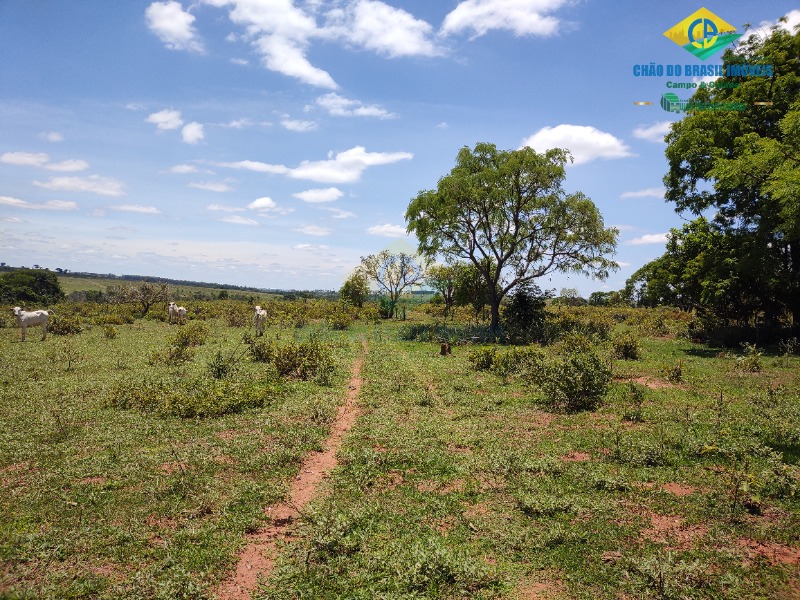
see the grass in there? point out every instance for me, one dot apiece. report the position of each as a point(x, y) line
point(453, 483)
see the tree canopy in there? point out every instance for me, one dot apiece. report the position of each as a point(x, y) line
point(506, 212)
point(30, 286)
point(741, 169)
point(392, 272)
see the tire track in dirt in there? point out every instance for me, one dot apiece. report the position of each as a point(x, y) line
point(257, 559)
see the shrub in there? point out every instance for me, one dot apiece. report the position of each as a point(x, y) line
point(64, 325)
point(750, 361)
point(626, 346)
point(482, 358)
point(518, 360)
point(524, 316)
point(340, 318)
point(237, 318)
point(575, 381)
point(307, 360)
point(191, 335)
point(789, 346)
point(673, 373)
point(109, 332)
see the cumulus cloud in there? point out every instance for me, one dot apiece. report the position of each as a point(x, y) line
point(314, 230)
point(381, 28)
point(49, 205)
point(136, 208)
point(239, 220)
point(522, 17)
point(166, 119)
point(295, 125)
point(344, 167)
point(192, 133)
point(584, 142)
point(103, 186)
point(24, 159)
point(51, 136)
point(264, 203)
point(645, 193)
point(319, 195)
point(65, 166)
point(173, 26)
point(792, 21)
point(339, 106)
point(211, 186)
point(653, 133)
point(392, 231)
point(650, 238)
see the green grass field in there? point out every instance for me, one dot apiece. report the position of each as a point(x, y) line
point(454, 483)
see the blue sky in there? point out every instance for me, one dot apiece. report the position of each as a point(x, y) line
point(272, 143)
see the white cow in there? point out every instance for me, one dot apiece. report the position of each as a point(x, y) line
point(260, 320)
point(181, 315)
point(173, 312)
point(36, 317)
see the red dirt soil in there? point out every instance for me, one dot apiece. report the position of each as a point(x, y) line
point(257, 559)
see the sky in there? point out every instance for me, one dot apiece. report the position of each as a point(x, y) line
point(272, 143)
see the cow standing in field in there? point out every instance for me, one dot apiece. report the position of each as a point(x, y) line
point(260, 320)
point(35, 317)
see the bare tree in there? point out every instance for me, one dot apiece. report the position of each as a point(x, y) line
point(392, 272)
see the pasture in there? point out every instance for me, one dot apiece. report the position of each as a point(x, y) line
point(131, 468)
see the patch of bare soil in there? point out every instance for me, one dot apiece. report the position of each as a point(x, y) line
point(654, 384)
point(776, 554)
point(678, 489)
point(173, 467)
point(576, 456)
point(257, 559)
point(93, 480)
point(671, 530)
point(539, 590)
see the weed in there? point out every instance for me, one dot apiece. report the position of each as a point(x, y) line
point(482, 359)
point(109, 332)
point(750, 361)
point(634, 395)
point(626, 346)
point(573, 382)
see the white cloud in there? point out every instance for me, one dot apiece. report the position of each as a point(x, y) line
point(584, 142)
point(239, 61)
point(310, 247)
point(653, 133)
point(173, 26)
point(384, 29)
point(392, 231)
point(135, 106)
point(338, 213)
point(319, 195)
point(212, 186)
point(51, 136)
point(136, 208)
point(314, 230)
point(13, 220)
point(792, 21)
point(623, 264)
point(650, 238)
point(280, 33)
point(193, 133)
point(344, 167)
point(645, 193)
point(240, 123)
point(295, 125)
point(166, 119)
point(49, 205)
point(103, 186)
point(522, 17)
point(264, 203)
point(24, 159)
point(222, 208)
point(72, 165)
point(339, 106)
point(184, 169)
point(258, 167)
point(239, 220)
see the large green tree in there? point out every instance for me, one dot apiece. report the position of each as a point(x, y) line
point(744, 168)
point(506, 212)
point(30, 286)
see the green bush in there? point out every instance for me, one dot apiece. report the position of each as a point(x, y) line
point(189, 336)
point(195, 398)
point(307, 360)
point(518, 360)
point(64, 325)
point(482, 359)
point(109, 332)
point(750, 361)
point(575, 381)
point(626, 346)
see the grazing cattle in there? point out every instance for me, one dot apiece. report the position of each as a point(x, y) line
point(260, 320)
point(173, 312)
point(181, 315)
point(36, 317)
